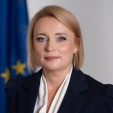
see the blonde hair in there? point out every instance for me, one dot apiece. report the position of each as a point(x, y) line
point(67, 19)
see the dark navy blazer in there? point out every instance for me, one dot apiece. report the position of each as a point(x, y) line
point(84, 94)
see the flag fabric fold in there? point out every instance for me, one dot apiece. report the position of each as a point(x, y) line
point(13, 32)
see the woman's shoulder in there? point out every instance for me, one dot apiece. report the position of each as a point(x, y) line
point(105, 95)
point(105, 89)
point(16, 82)
point(105, 99)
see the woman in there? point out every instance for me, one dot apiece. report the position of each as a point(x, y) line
point(55, 43)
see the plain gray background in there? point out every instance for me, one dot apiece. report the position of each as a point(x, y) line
point(96, 22)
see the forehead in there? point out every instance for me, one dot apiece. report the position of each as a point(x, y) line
point(50, 24)
point(48, 21)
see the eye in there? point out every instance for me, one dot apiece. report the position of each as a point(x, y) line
point(40, 39)
point(61, 38)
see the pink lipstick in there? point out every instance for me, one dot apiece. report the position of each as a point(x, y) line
point(50, 58)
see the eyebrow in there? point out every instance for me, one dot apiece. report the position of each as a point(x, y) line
point(55, 34)
point(60, 34)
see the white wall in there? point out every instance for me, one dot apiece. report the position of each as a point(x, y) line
point(96, 22)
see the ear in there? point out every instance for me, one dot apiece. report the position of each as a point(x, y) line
point(77, 45)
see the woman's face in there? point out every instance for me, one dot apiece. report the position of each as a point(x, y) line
point(53, 44)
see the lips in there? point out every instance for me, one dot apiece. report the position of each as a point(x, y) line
point(51, 58)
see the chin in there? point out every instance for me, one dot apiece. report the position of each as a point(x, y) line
point(51, 67)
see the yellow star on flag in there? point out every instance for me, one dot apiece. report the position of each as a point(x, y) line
point(19, 68)
point(6, 75)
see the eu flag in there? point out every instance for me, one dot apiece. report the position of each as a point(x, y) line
point(13, 30)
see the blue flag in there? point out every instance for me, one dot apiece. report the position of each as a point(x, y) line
point(13, 30)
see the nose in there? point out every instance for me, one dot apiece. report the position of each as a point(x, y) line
point(50, 46)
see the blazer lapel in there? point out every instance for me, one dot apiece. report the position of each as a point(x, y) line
point(74, 99)
point(27, 97)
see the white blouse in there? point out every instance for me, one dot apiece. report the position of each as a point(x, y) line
point(42, 99)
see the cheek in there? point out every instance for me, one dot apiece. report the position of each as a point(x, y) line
point(67, 48)
point(66, 52)
point(38, 49)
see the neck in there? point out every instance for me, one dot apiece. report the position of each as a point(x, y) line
point(55, 78)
